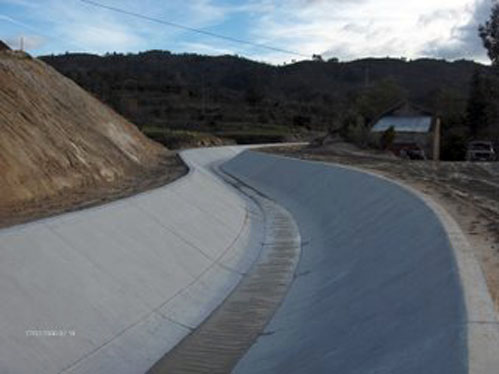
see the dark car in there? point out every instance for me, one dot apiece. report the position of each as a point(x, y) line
point(480, 151)
point(412, 153)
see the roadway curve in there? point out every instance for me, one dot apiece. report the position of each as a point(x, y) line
point(377, 288)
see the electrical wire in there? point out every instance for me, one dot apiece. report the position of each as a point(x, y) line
point(192, 29)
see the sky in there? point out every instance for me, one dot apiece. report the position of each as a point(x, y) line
point(343, 29)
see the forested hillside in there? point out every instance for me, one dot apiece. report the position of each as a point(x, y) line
point(248, 101)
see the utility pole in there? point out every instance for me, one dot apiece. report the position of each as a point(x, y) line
point(22, 43)
point(436, 139)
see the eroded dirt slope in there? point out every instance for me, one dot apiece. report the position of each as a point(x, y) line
point(59, 142)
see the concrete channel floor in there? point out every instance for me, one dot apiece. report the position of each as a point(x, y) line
point(377, 288)
point(110, 289)
point(218, 344)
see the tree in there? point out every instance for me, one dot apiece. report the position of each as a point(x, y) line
point(254, 95)
point(379, 97)
point(450, 105)
point(353, 129)
point(476, 112)
point(317, 58)
point(387, 138)
point(489, 32)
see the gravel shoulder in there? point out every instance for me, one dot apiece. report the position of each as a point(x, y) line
point(469, 192)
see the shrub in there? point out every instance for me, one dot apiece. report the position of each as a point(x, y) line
point(387, 138)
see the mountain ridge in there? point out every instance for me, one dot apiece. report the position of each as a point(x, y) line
point(226, 95)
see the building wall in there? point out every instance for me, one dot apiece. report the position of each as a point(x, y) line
point(422, 140)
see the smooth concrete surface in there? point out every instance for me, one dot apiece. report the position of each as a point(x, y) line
point(123, 282)
point(219, 343)
point(377, 288)
point(482, 318)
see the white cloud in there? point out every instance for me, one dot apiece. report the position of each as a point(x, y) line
point(5, 18)
point(462, 40)
point(105, 37)
point(207, 49)
point(75, 25)
point(346, 29)
point(29, 41)
point(23, 3)
point(351, 29)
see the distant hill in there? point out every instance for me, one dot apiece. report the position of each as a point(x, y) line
point(57, 140)
point(234, 97)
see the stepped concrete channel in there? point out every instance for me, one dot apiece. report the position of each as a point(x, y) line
point(385, 282)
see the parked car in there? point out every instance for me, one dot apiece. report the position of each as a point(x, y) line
point(412, 153)
point(480, 151)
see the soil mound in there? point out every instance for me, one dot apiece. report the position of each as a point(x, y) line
point(56, 139)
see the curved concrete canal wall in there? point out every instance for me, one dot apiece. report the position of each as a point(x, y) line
point(126, 281)
point(377, 289)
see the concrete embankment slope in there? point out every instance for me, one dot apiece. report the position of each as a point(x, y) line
point(377, 289)
point(123, 283)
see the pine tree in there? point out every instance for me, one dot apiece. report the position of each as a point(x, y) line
point(489, 32)
point(476, 112)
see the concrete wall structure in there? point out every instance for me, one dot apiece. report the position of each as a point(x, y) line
point(377, 289)
point(128, 279)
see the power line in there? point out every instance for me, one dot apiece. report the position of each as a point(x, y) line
point(198, 31)
point(36, 30)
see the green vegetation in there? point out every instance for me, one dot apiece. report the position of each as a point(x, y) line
point(185, 97)
point(478, 103)
point(176, 139)
point(366, 106)
point(387, 138)
point(249, 133)
point(482, 114)
point(489, 32)
point(354, 129)
point(246, 101)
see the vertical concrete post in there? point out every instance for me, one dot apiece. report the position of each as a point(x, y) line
point(436, 140)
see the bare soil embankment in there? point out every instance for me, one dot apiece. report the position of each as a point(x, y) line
point(468, 191)
point(61, 149)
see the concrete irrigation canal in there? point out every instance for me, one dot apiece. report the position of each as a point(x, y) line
point(252, 263)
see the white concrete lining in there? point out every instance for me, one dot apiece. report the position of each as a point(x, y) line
point(483, 325)
point(50, 270)
point(130, 278)
point(482, 318)
point(223, 338)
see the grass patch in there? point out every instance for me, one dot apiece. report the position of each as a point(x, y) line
point(176, 139)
